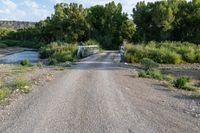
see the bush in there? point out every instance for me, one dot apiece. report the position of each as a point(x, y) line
point(142, 74)
point(40, 65)
point(2, 45)
point(58, 52)
point(25, 62)
point(91, 42)
point(52, 61)
point(155, 73)
point(181, 82)
point(164, 52)
point(28, 44)
point(197, 58)
point(149, 64)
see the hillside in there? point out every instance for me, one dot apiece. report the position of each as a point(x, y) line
point(15, 24)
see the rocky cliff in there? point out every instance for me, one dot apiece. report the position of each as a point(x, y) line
point(15, 24)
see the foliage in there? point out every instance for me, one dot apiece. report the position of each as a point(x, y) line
point(153, 73)
point(149, 64)
point(142, 74)
point(25, 62)
point(181, 82)
point(73, 23)
point(6, 31)
point(164, 52)
point(91, 42)
point(59, 52)
point(2, 45)
point(23, 43)
point(167, 20)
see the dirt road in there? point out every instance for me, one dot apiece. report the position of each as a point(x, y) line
point(99, 96)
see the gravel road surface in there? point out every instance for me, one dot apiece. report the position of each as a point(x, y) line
point(99, 96)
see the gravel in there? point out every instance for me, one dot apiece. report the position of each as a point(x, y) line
point(100, 96)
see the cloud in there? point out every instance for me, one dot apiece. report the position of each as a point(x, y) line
point(38, 11)
point(9, 4)
point(9, 10)
point(35, 10)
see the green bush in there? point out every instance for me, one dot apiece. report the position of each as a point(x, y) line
point(25, 62)
point(91, 42)
point(149, 64)
point(2, 45)
point(24, 43)
point(142, 74)
point(155, 73)
point(181, 82)
point(164, 52)
point(197, 58)
point(58, 52)
point(52, 61)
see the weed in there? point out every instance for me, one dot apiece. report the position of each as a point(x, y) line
point(25, 62)
point(4, 92)
point(149, 64)
point(181, 82)
point(155, 73)
point(23, 85)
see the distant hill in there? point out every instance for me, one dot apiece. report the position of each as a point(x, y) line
point(15, 24)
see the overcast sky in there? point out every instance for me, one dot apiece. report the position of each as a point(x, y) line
point(35, 10)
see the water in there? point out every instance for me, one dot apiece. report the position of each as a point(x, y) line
point(32, 56)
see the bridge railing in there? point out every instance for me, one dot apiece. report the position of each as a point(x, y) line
point(84, 51)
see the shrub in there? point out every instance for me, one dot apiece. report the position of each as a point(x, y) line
point(170, 57)
point(181, 82)
point(2, 45)
point(142, 74)
point(164, 52)
point(40, 65)
point(149, 64)
point(28, 44)
point(91, 42)
point(52, 61)
point(25, 62)
point(168, 77)
point(197, 58)
point(58, 52)
point(155, 73)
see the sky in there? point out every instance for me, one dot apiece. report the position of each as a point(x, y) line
point(36, 10)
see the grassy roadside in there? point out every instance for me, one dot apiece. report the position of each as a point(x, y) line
point(151, 70)
point(13, 78)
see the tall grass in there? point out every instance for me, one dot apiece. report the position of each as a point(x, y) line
point(164, 52)
point(59, 52)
